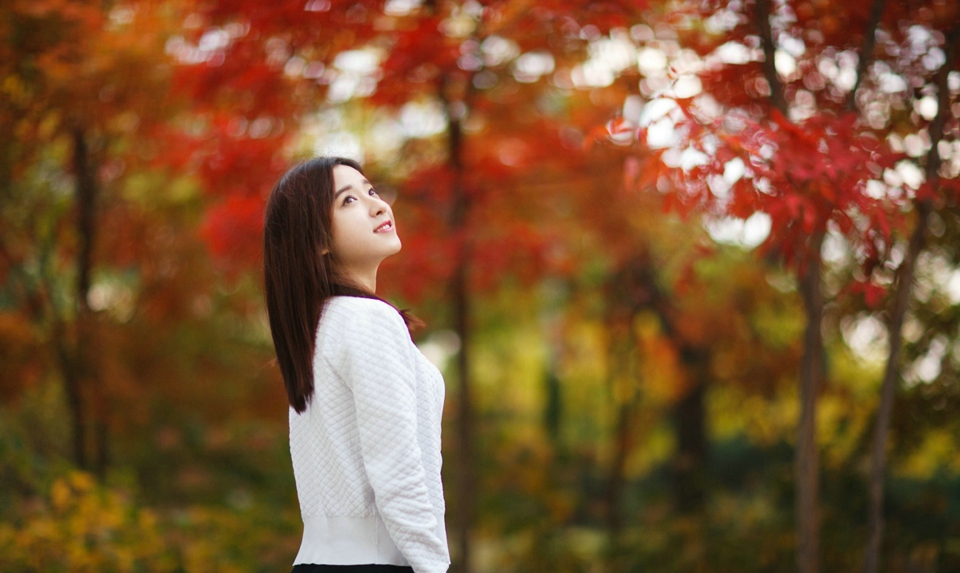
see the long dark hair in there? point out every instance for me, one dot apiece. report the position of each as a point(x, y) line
point(300, 270)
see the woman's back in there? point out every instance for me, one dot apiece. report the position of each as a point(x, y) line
point(366, 451)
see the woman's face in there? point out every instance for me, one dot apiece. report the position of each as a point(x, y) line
point(364, 232)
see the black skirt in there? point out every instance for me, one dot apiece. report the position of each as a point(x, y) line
point(371, 568)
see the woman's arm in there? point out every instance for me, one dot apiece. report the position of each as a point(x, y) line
point(376, 362)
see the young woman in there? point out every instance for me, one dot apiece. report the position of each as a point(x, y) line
point(365, 404)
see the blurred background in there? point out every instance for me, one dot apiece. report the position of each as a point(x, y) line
point(691, 270)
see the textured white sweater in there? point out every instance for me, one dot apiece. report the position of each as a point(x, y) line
point(366, 452)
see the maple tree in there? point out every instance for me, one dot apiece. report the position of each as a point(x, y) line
point(85, 77)
point(779, 131)
point(657, 270)
point(116, 329)
point(924, 205)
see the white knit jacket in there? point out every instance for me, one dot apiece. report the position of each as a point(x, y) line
point(366, 452)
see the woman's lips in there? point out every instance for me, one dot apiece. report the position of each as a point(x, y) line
point(386, 227)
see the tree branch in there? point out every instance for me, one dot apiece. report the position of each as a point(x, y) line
point(769, 52)
point(936, 127)
point(866, 51)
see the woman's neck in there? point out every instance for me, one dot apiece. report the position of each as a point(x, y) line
point(363, 280)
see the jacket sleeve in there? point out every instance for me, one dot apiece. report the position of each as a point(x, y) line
point(377, 363)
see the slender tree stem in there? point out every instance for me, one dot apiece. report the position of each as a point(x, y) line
point(866, 51)
point(811, 371)
point(460, 299)
point(905, 277)
point(73, 361)
point(769, 60)
point(811, 367)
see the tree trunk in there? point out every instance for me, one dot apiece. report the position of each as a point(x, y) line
point(86, 218)
point(84, 363)
point(882, 425)
point(628, 291)
point(615, 479)
point(76, 364)
point(72, 389)
point(460, 302)
point(101, 428)
point(553, 406)
point(467, 486)
point(689, 421)
point(460, 299)
point(811, 371)
point(904, 283)
point(626, 399)
point(632, 289)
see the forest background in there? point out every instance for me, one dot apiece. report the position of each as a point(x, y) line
point(691, 269)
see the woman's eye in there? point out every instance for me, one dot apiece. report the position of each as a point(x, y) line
point(373, 191)
point(349, 199)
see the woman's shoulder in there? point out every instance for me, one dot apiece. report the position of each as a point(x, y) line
point(360, 307)
point(354, 329)
point(354, 314)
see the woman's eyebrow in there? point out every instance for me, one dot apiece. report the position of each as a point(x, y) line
point(348, 187)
